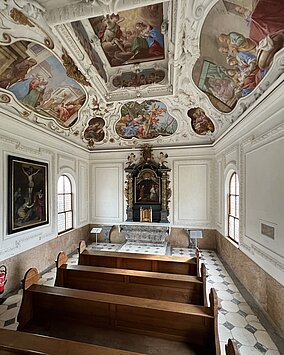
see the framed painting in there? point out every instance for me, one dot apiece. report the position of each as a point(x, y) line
point(147, 191)
point(27, 194)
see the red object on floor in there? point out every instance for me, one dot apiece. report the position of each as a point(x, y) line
point(3, 280)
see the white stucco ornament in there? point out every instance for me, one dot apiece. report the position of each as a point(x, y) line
point(31, 7)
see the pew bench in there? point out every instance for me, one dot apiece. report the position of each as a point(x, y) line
point(12, 342)
point(144, 262)
point(83, 315)
point(136, 283)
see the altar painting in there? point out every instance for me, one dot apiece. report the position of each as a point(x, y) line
point(39, 81)
point(147, 120)
point(238, 42)
point(131, 36)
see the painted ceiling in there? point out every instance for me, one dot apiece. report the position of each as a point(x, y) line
point(108, 74)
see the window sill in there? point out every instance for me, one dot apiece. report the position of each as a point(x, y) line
point(234, 243)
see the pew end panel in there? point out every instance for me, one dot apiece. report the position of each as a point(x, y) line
point(26, 309)
point(203, 279)
point(61, 265)
point(213, 298)
point(231, 348)
point(61, 259)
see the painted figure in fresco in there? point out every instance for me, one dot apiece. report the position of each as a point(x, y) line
point(200, 123)
point(16, 72)
point(246, 72)
point(112, 32)
point(30, 173)
point(236, 42)
point(36, 91)
point(95, 130)
point(150, 40)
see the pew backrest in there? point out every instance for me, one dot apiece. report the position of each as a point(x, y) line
point(180, 322)
point(12, 342)
point(136, 283)
point(147, 262)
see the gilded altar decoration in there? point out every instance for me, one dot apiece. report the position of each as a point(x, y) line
point(147, 188)
point(72, 70)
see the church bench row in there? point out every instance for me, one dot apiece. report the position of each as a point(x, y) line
point(43, 307)
point(12, 342)
point(145, 284)
point(145, 262)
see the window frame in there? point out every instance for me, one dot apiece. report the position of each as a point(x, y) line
point(65, 211)
point(233, 196)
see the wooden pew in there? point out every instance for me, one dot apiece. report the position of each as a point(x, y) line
point(12, 342)
point(231, 348)
point(145, 284)
point(145, 262)
point(49, 310)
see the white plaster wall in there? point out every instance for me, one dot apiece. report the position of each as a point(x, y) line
point(192, 193)
point(190, 181)
point(106, 186)
point(20, 139)
point(254, 148)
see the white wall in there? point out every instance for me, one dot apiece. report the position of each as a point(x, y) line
point(191, 184)
point(19, 139)
point(255, 150)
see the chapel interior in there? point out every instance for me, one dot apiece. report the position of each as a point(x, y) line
point(152, 133)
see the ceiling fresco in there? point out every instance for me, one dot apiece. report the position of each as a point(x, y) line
point(131, 36)
point(147, 120)
point(238, 42)
point(144, 77)
point(113, 74)
point(39, 81)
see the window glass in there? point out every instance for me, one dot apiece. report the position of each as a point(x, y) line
point(233, 208)
point(64, 204)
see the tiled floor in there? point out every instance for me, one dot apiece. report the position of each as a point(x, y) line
point(236, 318)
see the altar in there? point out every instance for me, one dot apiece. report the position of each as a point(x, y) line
point(146, 238)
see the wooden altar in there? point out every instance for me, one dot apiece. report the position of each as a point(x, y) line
point(147, 188)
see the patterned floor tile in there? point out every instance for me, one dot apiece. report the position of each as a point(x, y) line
point(236, 319)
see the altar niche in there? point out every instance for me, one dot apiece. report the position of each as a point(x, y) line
point(147, 188)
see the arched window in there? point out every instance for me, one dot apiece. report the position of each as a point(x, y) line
point(64, 204)
point(233, 207)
